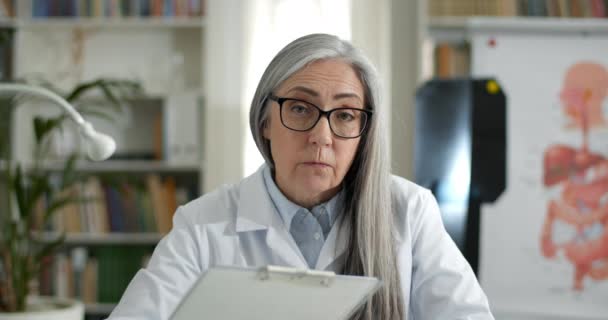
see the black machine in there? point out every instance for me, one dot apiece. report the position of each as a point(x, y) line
point(460, 152)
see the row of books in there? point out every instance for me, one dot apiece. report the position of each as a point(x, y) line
point(92, 275)
point(7, 8)
point(117, 8)
point(125, 206)
point(452, 60)
point(536, 8)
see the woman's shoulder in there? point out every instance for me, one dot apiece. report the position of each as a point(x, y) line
point(404, 190)
point(222, 203)
point(410, 200)
point(211, 207)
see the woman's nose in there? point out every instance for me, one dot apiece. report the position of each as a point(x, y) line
point(321, 133)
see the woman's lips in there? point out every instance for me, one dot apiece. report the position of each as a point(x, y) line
point(317, 164)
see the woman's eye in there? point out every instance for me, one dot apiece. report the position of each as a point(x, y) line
point(345, 116)
point(299, 109)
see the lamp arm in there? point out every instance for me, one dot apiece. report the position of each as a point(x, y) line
point(99, 146)
point(45, 93)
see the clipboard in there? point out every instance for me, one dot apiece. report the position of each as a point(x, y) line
point(273, 292)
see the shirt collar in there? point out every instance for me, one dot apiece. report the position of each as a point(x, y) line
point(287, 209)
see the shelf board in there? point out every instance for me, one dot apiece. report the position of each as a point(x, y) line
point(461, 28)
point(7, 22)
point(113, 238)
point(113, 22)
point(99, 308)
point(124, 166)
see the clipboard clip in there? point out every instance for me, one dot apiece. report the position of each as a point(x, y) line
point(324, 278)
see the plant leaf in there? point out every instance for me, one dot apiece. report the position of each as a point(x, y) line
point(39, 187)
point(6, 109)
point(19, 189)
point(39, 79)
point(82, 89)
point(69, 175)
point(62, 202)
point(115, 91)
point(43, 126)
point(96, 114)
point(49, 247)
point(110, 95)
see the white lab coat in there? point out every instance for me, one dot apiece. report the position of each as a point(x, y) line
point(238, 225)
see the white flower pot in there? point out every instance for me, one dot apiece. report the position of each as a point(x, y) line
point(48, 308)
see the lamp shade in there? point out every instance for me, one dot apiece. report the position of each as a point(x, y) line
point(99, 146)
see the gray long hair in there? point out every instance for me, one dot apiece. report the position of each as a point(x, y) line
point(368, 204)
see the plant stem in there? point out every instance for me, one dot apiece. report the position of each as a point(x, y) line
point(10, 290)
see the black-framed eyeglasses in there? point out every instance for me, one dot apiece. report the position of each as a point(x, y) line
point(300, 115)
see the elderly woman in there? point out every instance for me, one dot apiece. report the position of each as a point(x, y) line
point(325, 199)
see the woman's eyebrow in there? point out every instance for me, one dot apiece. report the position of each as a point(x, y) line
point(316, 94)
point(346, 95)
point(305, 90)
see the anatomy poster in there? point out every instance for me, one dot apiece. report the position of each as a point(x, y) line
point(544, 242)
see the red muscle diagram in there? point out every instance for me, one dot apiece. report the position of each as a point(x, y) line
point(581, 175)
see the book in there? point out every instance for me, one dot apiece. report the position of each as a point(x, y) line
point(452, 60)
point(116, 266)
point(564, 8)
point(99, 207)
point(507, 8)
point(576, 9)
point(552, 8)
point(169, 186)
point(129, 208)
point(586, 8)
point(598, 9)
point(89, 291)
point(71, 212)
point(115, 207)
point(159, 203)
point(444, 60)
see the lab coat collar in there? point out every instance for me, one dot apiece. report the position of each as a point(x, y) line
point(256, 212)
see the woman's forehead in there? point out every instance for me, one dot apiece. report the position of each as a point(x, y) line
point(335, 78)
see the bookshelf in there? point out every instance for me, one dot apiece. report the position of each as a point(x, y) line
point(124, 166)
point(100, 309)
point(165, 52)
point(115, 238)
point(459, 28)
point(448, 27)
point(110, 23)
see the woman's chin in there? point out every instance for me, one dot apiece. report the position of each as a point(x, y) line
point(314, 186)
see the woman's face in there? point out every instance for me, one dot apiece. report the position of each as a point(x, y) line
point(310, 165)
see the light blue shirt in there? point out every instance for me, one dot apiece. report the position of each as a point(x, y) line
point(287, 209)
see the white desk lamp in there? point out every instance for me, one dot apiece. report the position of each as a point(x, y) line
point(99, 146)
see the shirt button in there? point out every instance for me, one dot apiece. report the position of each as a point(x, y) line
point(317, 236)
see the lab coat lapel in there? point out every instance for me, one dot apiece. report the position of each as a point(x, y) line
point(281, 244)
point(335, 244)
point(256, 212)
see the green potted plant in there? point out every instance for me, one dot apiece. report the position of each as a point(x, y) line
point(22, 250)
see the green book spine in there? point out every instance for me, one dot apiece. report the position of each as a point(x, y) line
point(117, 266)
